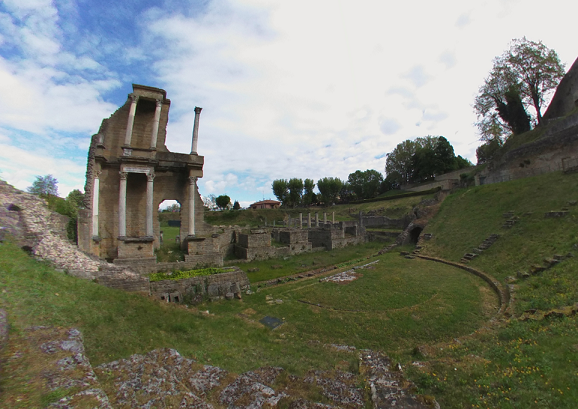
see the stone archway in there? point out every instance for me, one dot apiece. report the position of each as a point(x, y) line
point(414, 234)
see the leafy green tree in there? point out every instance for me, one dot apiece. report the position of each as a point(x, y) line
point(346, 194)
point(365, 184)
point(329, 189)
point(428, 162)
point(538, 69)
point(308, 194)
point(236, 205)
point(522, 77)
point(281, 190)
point(76, 198)
point(295, 187)
point(223, 201)
point(486, 152)
point(399, 162)
point(44, 186)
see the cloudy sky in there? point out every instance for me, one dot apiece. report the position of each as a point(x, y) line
point(303, 89)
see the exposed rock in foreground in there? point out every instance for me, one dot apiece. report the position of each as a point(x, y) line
point(163, 378)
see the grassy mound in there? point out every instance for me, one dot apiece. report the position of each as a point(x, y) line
point(528, 361)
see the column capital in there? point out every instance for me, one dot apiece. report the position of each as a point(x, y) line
point(159, 103)
point(198, 110)
point(192, 180)
point(133, 97)
point(151, 176)
point(123, 175)
point(97, 174)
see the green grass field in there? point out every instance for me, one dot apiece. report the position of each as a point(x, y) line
point(385, 315)
point(465, 358)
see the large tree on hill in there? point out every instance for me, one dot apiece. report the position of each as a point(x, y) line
point(308, 194)
point(521, 77)
point(295, 187)
point(44, 186)
point(281, 190)
point(223, 201)
point(329, 189)
point(365, 184)
point(420, 160)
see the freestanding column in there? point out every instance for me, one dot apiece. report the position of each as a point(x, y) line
point(308, 220)
point(333, 220)
point(316, 219)
point(289, 222)
point(155, 131)
point(196, 130)
point(300, 220)
point(192, 197)
point(95, 193)
point(130, 122)
point(149, 215)
point(122, 205)
point(324, 218)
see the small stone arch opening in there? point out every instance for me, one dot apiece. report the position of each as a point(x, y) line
point(414, 234)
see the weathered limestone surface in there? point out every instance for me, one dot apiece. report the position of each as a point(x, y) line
point(34, 227)
point(39, 230)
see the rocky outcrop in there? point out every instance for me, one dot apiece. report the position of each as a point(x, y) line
point(42, 232)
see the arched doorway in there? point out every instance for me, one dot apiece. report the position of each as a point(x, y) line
point(169, 240)
point(414, 234)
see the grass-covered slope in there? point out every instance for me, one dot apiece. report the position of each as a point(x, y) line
point(527, 361)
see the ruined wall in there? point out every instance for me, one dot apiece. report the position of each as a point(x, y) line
point(556, 150)
point(169, 172)
point(384, 222)
point(218, 286)
point(323, 237)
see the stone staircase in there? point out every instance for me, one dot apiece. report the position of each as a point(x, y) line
point(486, 244)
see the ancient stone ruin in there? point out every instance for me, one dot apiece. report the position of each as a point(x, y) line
point(130, 172)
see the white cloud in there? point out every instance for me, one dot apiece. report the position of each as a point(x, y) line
point(288, 89)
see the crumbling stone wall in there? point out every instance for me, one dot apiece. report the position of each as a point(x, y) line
point(555, 150)
point(218, 286)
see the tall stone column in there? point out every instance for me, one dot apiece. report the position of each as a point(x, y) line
point(196, 131)
point(333, 218)
point(192, 197)
point(316, 219)
point(156, 120)
point(300, 220)
point(324, 218)
point(122, 205)
point(130, 123)
point(95, 197)
point(149, 214)
point(308, 220)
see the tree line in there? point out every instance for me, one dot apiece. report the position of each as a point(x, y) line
point(412, 161)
